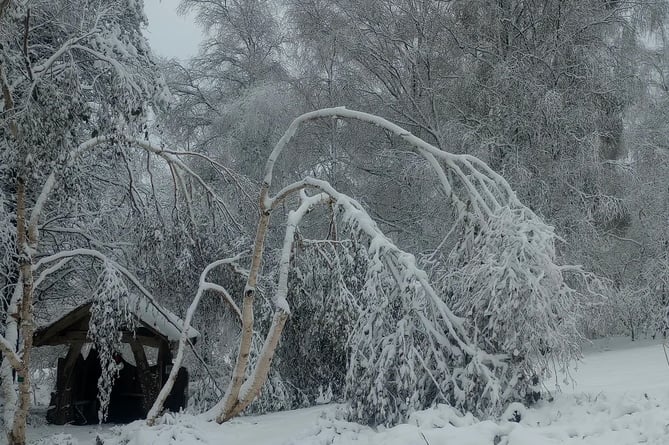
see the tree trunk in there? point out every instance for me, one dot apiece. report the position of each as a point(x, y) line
point(232, 394)
point(632, 331)
point(257, 380)
point(26, 244)
point(6, 368)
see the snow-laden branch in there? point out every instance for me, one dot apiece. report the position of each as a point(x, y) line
point(204, 286)
point(226, 297)
point(48, 271)
point(485, 190)
point(52, 180)
point(70, 43)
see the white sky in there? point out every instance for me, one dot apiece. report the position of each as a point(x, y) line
point(170, 34)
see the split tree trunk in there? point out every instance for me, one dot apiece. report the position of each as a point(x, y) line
point(241, 364)
point(261, 371)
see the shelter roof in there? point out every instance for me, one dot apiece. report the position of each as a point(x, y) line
point(154, 323)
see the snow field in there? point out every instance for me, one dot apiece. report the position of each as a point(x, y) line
point(621, 397)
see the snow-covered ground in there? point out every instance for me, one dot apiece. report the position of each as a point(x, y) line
point(621, 397)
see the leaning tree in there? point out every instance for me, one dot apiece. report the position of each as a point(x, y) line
point(408, 350)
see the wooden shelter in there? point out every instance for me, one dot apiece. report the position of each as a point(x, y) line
point(141, 377)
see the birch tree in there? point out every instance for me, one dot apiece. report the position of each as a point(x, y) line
point(68, 77)
point(432, 357)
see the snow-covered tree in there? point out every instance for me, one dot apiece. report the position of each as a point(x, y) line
point(77, 85)
point(408, 349)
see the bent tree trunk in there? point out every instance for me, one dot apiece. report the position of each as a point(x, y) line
point(470, 186)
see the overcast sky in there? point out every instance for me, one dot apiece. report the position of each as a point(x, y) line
point(170, 34)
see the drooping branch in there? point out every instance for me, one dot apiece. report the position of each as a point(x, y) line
point(173, 160)
point(48, 271)
point(60, 256)
point(204, 286)
point(479, 186)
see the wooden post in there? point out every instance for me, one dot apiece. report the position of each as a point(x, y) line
point(164, 360)
point(62, 413)
point(147, 381)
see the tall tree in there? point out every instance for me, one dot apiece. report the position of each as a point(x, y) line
point(68, 75)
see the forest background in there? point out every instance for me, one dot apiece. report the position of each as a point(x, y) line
point(157, 166)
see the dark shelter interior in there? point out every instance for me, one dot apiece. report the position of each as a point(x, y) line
point(75, 398)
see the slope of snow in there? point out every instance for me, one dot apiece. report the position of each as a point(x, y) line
point(618, 365)
point(621, 397)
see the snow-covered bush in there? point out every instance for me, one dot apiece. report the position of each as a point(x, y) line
point(517, 300)
point(325, 293)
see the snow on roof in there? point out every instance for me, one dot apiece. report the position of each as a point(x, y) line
point(159, 318)
point(148, 313)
